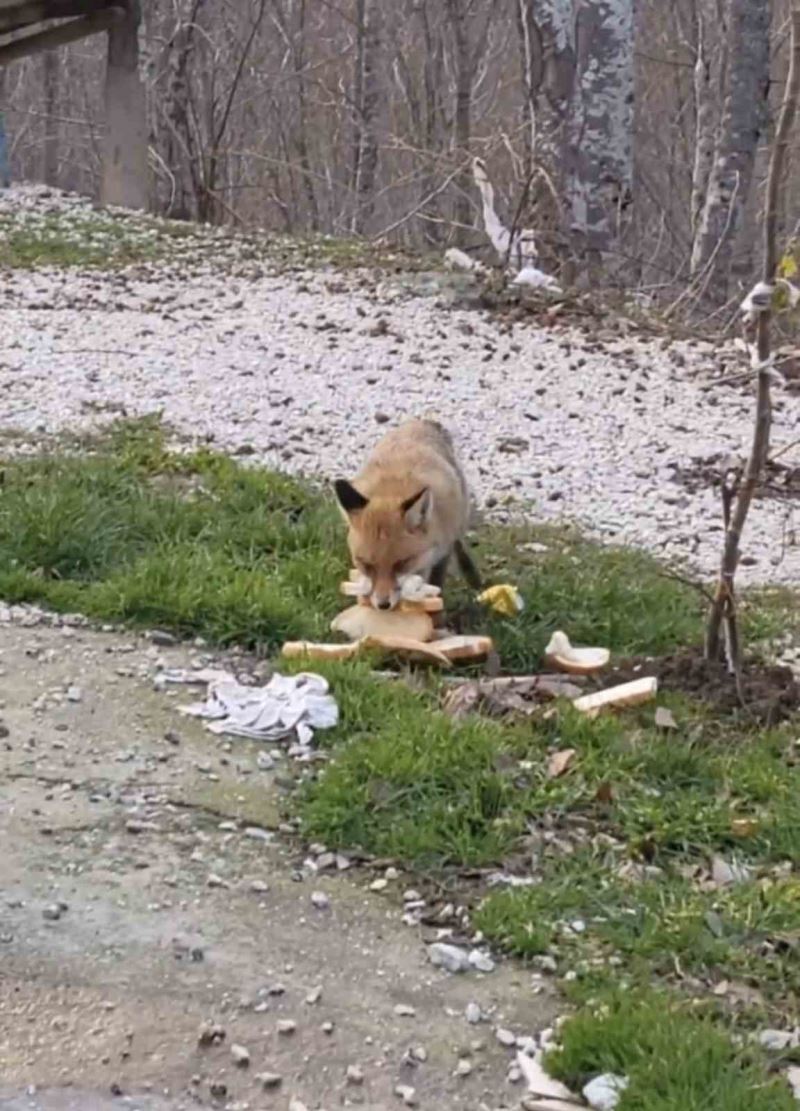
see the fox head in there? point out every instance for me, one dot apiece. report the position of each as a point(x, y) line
point(388, 539)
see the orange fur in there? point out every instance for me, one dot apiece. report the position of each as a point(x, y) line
point(406, 508)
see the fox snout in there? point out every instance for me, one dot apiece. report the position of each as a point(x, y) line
point(384, 597)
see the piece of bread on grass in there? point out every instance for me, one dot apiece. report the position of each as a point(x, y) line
point(361, 621)
point(625, 694)
point(563, 656)
point(464, 647)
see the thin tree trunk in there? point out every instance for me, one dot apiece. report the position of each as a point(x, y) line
point(5, 173)
point(303, 156)
point(179, 152)
point(530, 42)
point(704, 125)
point(744, 119)
point(50, 145)
point(367, 90)
point(457, 16)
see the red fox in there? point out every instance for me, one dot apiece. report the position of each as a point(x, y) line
point(407, 511)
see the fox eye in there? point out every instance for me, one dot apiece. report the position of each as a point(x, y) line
point(367, 568)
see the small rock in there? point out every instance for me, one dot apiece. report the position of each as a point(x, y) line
point(775, 1040)
point(240, 1056)
point(379, 885)
point(725, 874)
point(53, 911)
point(505, 1037)
point(135, 826)
point(464, 1067)
point(171, 737)
point(665, 718)
point(320, 900)
point(404, 1010)
point(355, 1075)
point(74, 694)
point(314, 996)
point(481, 961)
point(211, 1033)
point(407, 1094)
point(218, 1089)
point(297, 1105)
point(327, 1028)
point(265, 762)
point(473, 1014)
point(450, 957)
point(603, 1093)
point(259, 887)
point(286, 1027)
point(162, 638)
point(269, 1081)
point(216, 881)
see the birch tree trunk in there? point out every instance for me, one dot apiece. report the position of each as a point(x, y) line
point(744, 119)
point(599, 131)
point(704, 126)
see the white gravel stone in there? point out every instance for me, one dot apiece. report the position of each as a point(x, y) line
point(450, 957)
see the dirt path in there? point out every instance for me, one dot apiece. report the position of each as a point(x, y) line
point(143, 894)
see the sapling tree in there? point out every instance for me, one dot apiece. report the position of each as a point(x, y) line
point(722, 634)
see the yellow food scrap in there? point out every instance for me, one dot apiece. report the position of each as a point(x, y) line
point(503, 598)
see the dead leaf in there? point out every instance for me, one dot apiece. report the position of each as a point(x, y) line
point(745, 827)
point(605, 792)
point(736, 992)
point(665, 719)
point(560, 762)
point(461, 700)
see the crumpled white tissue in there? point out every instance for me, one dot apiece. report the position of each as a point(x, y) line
point(286, 705)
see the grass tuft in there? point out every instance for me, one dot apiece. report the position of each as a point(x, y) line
point(675, 1056)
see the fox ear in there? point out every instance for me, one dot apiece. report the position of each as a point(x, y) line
point(349, 498)
point(417, 510)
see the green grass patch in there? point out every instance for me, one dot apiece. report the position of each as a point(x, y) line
point(584, 912)
point(610, 596)
point(88, 241)
point(676, 1056)
point(80, 237)
point(412, 783)
point(193, 543)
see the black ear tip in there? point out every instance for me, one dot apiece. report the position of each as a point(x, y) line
point(349, 498)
